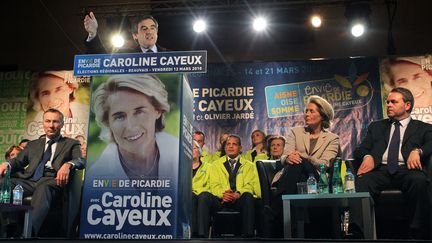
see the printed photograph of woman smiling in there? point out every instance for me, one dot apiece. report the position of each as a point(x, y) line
point(130, 112)
point(415, 74)
point(62, 91)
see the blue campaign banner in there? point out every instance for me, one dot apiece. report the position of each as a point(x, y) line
point(136, 63)
point(135, 158)
point(270, 96)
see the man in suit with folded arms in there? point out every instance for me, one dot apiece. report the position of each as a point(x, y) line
point(394, 153)
point(144, 32)
point(49, 161)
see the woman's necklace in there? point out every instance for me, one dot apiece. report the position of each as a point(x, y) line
point(153, 171)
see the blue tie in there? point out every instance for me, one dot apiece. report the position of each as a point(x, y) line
point(393, 151)
point(40, 168)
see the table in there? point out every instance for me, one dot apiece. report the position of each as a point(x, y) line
point(27, 209)
point(303, 201)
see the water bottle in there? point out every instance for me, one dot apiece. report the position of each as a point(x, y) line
point(323, 186)
point(6, 188)
point(311, 184)
point(18, 194)
point(349, 182)
point(337, 180)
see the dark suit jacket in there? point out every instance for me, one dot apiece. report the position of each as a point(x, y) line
point(417, 135)
point(68, 150)
point(95, 46)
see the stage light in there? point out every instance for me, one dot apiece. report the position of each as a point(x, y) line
point(117, 40)
point(357, 29)
point(259, 24)
point(357, 15)
point(199, 26)
point(316, 21)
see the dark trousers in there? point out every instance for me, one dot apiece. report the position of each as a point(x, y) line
point(208, 204)
point(292, 174)
point(413, 184)
point(42, 192)
point(194, 223)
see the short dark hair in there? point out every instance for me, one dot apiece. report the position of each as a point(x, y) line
point(52, 110)
point(24, 140)
point(235, 136)
point(407, 96)
point(200, 133)
point(135, 21)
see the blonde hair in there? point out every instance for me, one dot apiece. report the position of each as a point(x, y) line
point(66, 76)
point(324, 108)
point(148, 85)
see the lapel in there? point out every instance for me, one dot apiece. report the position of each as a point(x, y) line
point(409, 131)
point(306, 141)
point(320, 141)
point(59, 148)
point(40, 149)
point(387, 126)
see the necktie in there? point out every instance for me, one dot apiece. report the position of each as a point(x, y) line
point(232, 175)
point(149, 51)
point(232, 163)
point(393, 151)
point(40, 168)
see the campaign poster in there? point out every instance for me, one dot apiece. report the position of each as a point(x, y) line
point(13, 106)
point(413, 73)
point(62, 91)
point(131, 182)
point(271, 96)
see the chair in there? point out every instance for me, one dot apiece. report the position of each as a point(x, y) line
point(68, 205)
point(265, 220)
point(226, 223)
point(391, 204)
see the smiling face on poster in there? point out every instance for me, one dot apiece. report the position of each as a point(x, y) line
point(62, 91)
point(415, 74)
point(133, 155)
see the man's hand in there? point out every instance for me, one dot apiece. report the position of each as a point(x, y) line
point(413, 161)
point(367, 165)
point(228, 196)
point(91, 24)
point(294, 158)
point(62, 177)
point(3, 168)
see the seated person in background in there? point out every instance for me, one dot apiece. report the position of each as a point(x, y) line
point(309, 146)
point(200, 183)
point(234, 183)
point(50, 160)
point(221, 150)
point(258, 145)
point(12, 152)
point(200, 138)
point(83, 143)
point(144, 31)
point(393, 154)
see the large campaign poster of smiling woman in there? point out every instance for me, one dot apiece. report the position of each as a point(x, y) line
point(65, 92)
point(130, 188)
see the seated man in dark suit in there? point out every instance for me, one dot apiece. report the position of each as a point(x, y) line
point(393, 154)
point(144, 32)
point(49, 161)
point(234, 183)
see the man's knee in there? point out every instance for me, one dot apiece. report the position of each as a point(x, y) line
point(361, 184)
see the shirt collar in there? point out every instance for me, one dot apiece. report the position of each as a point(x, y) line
point(56, 139)
point(404, 122)
point(236, 158)
point(153, 48)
